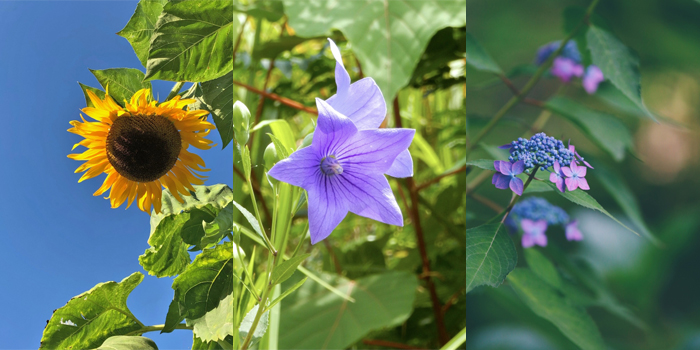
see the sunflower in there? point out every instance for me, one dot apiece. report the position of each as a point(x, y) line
point(142, 148)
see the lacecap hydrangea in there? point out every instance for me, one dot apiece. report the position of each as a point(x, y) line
point(540, 150)
point(534, 215)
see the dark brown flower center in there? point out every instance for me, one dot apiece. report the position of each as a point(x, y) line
point(143, 148)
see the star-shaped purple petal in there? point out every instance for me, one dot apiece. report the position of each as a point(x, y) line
point(363, 103)
point(343, 170)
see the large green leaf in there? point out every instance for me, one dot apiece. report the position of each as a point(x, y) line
point(96, 91)
point(624, 196)
point(217, 97)
point(122, 82)
point(546, 302)
point(124, 342)
point(90, 318)
point(200, 221)
point(618, 64)
point(206, 282)
point(388, 37)
point(491, 255)
point(216, 324)
point(486, 164)
point(140, 27)
point(283, 271)
point(479, 59)
point(260, 328)
point(315, 318)
point(217, 195)
point(167, 255)
point(192, 41)
point(605, 130)
point(583, 199)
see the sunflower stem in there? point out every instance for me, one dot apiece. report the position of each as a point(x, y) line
point(176, 90)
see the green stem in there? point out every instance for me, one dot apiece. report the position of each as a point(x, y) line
point(530, 83)
point(175, 90)
point(263, 301)
point(158, 327)
point(516, 197)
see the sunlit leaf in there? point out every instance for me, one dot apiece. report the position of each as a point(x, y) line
point(192, 41)
point(260, 328)
point(140, 27)
point(315, 318)
point(199, 221)
point(90, 318)
point(96, 91)
point(217, 98)
point(123, 342)
point(285, 269)
point(206, 282)
point(216, 324)
point(122, 82)
point(388, 37)
point(491, 255)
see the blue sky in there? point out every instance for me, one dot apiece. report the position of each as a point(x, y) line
point(58, 239)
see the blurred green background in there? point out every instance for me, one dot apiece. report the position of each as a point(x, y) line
point(658, 284)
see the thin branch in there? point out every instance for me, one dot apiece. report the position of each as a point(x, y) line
point(510, 84)
point(487, 202)
point(283, 100)
point(256, 189)
point(443, 337)
point(238, 40)
point(453, 299)
point(336, 262)
point(440, 177)
point(389, 344)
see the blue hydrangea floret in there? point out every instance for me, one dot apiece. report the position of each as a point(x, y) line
point(540, 150)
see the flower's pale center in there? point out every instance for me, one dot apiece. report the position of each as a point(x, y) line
point(330, 166)
point(143, 148)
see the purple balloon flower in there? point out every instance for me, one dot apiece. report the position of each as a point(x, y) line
point(363, 103)
point(505, 175)
point(343, 170)
point(566, 68)
point(533, 233)
point(592, 78)
point(572, 231)
point(557, 176)
point(575, 177)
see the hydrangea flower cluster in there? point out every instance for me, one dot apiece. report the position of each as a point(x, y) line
point(540, 150)
point(533, 215)
point(544, 152)
point(569, 64)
